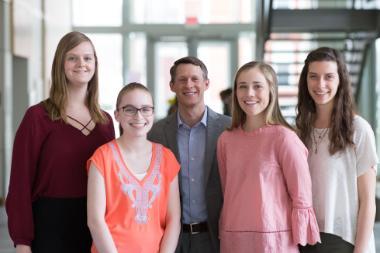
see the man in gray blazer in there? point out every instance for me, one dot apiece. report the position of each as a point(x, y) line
point(191, 133)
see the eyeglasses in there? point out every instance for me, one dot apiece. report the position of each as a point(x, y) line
point(130, 110)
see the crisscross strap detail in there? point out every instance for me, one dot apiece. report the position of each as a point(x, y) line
point(84, 126)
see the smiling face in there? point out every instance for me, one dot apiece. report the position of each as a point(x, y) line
point(252, 93)
point(189, 85)
point(79, 64)
point(323, 82)
point(140, 122)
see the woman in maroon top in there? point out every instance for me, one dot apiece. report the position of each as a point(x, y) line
point(46, 203)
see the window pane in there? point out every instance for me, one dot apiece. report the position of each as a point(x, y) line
point(109, 50)
point(377, 130)
point(166, 54)
point(191, 11)
point(246, 47)
point(153, 11)
point(225, 11)
point(216, 57)
point(136, 58)
point(97, 12)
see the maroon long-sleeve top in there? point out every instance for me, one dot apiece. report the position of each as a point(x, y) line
point(49, 160)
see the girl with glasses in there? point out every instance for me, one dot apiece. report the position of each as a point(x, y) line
point(133, 196)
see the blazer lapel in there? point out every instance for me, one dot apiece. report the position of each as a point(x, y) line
point(170, 130)
point(212, 136)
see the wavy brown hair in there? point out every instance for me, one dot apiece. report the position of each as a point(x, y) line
point(273, 114)
point(55, 104)
point(341, 121)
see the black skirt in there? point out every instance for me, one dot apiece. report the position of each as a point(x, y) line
point(60, 226)
point(330, 244)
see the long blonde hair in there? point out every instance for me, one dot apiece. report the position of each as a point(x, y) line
point(273, 114)
point(55, 104)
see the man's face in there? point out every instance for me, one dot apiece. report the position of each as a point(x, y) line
point(189, 85)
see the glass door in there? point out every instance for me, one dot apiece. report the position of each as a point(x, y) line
point(217, 57)
point(220, 57)
point(165, 53)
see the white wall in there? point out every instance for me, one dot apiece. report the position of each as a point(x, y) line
point(5, 93)
point(30, 38)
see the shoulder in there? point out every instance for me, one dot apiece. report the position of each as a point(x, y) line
point(362, 129)
point(37, 110)
point(166, 152)
point(230, 135)
point(168, 162)
point(108, 116)
point(283, 131)
point(286, 141)
point(172, 118)
point(220, 119)
point(285, 134)
point(212, 115)
point(360, 124)
point(36, 117)
point(35, 126)
point(109, 120)
point(161, 124)
point(105, 149)
point(108, 123)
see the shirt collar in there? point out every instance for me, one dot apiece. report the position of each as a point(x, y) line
point(202, 121)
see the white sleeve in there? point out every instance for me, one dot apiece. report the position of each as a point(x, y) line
point(365, 147)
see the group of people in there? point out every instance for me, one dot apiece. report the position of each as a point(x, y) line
point(195, 181)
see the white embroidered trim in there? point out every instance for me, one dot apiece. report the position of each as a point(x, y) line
point(139, 194)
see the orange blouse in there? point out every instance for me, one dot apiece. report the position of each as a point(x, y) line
point(135, 209)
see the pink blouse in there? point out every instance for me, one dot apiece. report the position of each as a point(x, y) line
point(267, 191)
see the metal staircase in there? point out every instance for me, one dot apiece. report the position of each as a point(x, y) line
point(292, 28)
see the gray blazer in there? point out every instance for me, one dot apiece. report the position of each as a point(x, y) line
point(165, 132)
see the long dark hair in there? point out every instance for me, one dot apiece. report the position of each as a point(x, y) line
point(341, 126)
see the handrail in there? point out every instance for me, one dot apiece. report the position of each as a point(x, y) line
point(263, 27)
point(361, 70)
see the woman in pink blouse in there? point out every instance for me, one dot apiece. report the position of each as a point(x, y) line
point(264, 172)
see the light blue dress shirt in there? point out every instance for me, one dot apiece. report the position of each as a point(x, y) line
point(192, 149)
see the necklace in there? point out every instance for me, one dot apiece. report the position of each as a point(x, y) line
point(317, 137)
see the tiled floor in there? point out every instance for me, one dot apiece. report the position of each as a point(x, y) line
point(6, 245)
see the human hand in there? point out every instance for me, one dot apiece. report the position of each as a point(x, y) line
point(20, 248)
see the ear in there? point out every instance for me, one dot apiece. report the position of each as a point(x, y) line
point(116, 113)
point(171, 84)
point(207, 83)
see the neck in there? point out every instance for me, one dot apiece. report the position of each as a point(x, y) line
point(191, 116)
point(133, 144)
point(76, 96)
point(323, 116)
point(254, 122)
